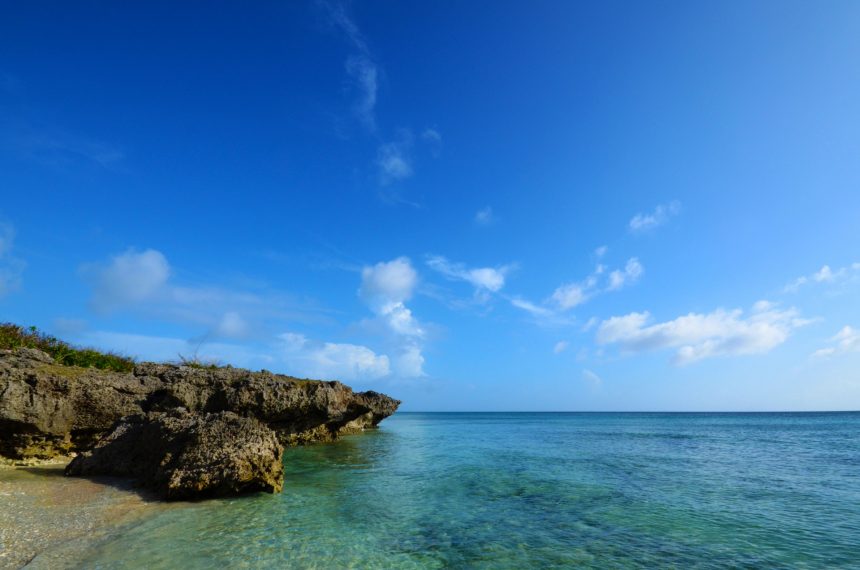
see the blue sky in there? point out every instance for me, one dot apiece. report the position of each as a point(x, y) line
point(470, 206)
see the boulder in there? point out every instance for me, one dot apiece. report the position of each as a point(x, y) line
point(182, 455)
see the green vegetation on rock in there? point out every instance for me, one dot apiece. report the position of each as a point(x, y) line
point(14, 336)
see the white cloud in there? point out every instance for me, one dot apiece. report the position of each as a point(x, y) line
point(331, 361)
point(400, 320)
point(11, 268)
point(490, 279)
point(698, 336)
point(631, 273)
point(484, 216)
point(573, 294)
point(560, 346)
point(388, 282)
point(129, 278)
point(385, 288)
point(601, 251)
point(141, 280)
point(846, 340)
point(661, 214)
point(825, 275)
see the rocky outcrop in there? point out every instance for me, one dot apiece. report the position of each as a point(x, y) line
point(182, 455)
point(47, 409)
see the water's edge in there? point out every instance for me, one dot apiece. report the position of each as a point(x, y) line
point(492, 490)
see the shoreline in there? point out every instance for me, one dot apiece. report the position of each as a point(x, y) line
point(49, 520)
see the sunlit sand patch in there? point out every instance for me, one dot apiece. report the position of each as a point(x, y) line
point(45, 513)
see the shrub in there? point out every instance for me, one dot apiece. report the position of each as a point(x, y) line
point(15, 336)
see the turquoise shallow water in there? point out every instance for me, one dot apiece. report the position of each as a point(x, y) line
point(536, 491)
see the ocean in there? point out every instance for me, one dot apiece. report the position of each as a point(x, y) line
point(531, 490)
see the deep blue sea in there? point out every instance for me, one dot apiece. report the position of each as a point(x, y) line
point(536, 490)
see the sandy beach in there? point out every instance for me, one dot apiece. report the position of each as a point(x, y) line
point(47, 518)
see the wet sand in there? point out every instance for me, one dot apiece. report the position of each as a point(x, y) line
point(48, 520)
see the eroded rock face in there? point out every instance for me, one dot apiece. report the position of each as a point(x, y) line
point(183, 455)
point(186, 432)
point(47, 409)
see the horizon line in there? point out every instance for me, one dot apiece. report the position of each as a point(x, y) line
point(627, 412)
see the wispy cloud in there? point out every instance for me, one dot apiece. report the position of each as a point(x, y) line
point(360, 65)
point(571, 295)
point(560, 347)
point(431, 135)
point(11, 268)
point(142, 282)
point(57, 148)
point(568, 296)
point(30, 138)
point(698, 336)
point(846, 340)
point(485, 280)
point(643, 222)
point(433, 138)
point(364, 73)
point(826, 276)
point(394, 159)
point(630, 274)
point(592, 379)
point(485, 217)
point(533, 309)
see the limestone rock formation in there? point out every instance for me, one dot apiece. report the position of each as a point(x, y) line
point(183, 455)
point(48, 409)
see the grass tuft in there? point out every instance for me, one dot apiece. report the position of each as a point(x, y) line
point(15, 336)
point(197, 362)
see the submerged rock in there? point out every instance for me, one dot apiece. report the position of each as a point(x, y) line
point(183, 455)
